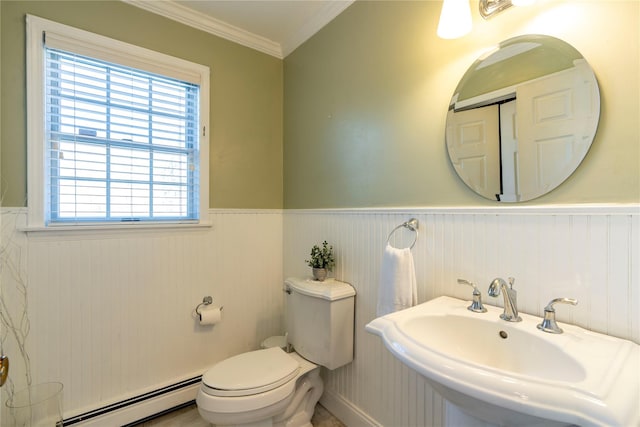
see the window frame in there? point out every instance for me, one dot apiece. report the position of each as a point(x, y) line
point(103, 48)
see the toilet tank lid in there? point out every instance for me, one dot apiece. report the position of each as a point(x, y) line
point(329, 289)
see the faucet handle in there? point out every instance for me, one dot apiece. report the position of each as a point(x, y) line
point(554, 301)
point(549, 323)
point(512, 280)
point(476, 305)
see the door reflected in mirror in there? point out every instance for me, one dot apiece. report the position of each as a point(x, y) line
point(522, 118)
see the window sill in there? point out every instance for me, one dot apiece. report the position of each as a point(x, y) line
point(119, 228)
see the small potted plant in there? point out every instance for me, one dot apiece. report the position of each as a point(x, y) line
point(321, 261)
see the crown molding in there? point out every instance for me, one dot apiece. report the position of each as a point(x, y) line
point(325, 15)
point(184, 15)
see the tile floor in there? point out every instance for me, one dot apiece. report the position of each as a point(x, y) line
point(189, 417)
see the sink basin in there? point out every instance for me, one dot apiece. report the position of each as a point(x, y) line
point(480, 341)
point(512, 373)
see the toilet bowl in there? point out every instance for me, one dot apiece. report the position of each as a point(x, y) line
point(259, 386)
point(270, 387)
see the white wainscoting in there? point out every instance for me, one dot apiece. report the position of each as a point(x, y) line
point(111, 314)
point(591, 253)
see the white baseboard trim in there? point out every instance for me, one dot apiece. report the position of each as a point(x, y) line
point(143, 409)
point(345, 411)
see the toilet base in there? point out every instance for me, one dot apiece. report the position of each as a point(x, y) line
point(258, 418)
point(264, 423)
point(301, 408)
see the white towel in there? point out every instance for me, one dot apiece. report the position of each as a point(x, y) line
point(398, 288)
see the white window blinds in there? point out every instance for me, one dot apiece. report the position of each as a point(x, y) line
point(121, 144)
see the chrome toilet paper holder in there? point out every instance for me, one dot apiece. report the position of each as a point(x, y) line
point(205, 302)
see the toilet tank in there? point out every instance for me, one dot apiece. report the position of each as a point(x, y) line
point(319, 319)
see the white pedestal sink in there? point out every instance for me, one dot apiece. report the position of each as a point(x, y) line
point(513, 374)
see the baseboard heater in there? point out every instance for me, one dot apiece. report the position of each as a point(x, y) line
point(131, 411)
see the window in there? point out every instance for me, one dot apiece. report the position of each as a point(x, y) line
point(120, 144)
point(117, 133)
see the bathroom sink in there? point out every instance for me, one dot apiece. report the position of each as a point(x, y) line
point(512, 373)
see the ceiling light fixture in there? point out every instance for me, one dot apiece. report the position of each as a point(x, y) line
point(455, 16)
point(489, 8)
point(455, 19)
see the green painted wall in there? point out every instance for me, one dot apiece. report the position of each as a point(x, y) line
point(365, 102)
point(246, 96)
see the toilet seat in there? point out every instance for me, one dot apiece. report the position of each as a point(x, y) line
point(250, 373)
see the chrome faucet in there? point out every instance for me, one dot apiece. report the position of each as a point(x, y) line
point(510, 298)
point(549, 323)
point(476, 305)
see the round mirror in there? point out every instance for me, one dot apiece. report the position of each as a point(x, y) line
point(522, 118)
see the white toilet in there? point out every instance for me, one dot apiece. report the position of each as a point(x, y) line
point(270, 387)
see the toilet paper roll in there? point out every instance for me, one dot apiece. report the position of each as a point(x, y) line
point(210, 315)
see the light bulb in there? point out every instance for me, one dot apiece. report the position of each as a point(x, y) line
point(455, 19)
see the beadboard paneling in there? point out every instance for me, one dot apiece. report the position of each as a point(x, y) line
point(588, 253)
point(111, 314)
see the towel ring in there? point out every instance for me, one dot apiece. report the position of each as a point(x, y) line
point(412, 225)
